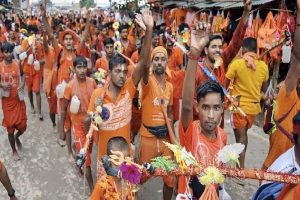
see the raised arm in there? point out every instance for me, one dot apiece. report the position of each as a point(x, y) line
point(199, 39)
point(48, 27)
point(45, 43)
point(237, 39)
point(142, 68)
point(292, 76)
point(86, 29)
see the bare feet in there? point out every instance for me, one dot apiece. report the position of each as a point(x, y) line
point(16, 156)
point(41, 117)
point(71, 158)
point(54, 129)
point(32, 110)
point(18, 143)
point(61, 143)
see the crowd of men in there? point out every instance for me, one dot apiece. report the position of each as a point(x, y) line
point(142, 98)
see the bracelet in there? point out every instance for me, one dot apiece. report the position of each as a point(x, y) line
point(192, 57)
point(12, 194)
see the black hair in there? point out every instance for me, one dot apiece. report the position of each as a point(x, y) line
point(32, 28)
point(108, 41)
point(80, 60)
point(116, 60)
point(250, 44)
point(7, 47)
point(214, 37)
point(122, 27)
point(155, 33)
point(116, 144)
point(209, 87)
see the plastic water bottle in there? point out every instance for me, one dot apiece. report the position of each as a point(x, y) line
point(75, 104)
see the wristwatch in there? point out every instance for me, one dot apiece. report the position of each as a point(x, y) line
point(12, 194)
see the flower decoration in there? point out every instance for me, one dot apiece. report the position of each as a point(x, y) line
point(212, 175)
point(100, 76)
point(130, 22)
point(130, 173)
point(164, 162)
point(230, 154)
point(101, 114)
point(31, 39)
point(118, 47)
point(218, 62)
point(183, 158)
point(116, 25)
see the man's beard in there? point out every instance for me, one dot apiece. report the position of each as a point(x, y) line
point(159, 70)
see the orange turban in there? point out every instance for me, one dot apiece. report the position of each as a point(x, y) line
point(159, 49)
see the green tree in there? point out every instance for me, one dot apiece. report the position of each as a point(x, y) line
point(46, 2)
point(87, 3)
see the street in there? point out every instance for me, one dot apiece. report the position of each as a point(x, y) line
point(44, 172)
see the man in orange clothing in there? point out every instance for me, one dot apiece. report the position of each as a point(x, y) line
point(109, 186)
point(217, 59)
point(81, 88)
point(116, 100)
point(33, 74)
point(288, 104)
point(175, 57)
point(4, 179)
point(288, 163)
point(157, 92)
point(50, 79)
point(109, 51)
point(13, 105)
point(64, 57)
point(128, 46)
point(203, 138)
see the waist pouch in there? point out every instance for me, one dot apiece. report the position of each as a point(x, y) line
point(158, 131)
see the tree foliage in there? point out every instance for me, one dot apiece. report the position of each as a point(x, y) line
point(48, 2)
point(87, 3)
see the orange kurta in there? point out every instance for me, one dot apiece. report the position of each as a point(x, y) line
point(128, 51)
point(279, 143)
point(50, 80)
point(102, 63)
point(135, 56)
point(83, 90)
point(105, 189)
point(118, 123)
point(152, 97)
point(200, 146)
point(14, 110)
point(175, 59)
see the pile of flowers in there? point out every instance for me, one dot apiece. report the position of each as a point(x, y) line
point(100, 76)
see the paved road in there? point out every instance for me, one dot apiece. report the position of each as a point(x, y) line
point(45, 174)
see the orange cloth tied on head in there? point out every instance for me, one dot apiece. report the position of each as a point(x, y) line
point(160, 49)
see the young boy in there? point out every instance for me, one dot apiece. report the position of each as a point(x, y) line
point(82, 87)
point(14, 108)
point(109, 187)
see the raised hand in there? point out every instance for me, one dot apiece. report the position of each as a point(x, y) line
point(199, 38)
point(43, 10)
point(88, 15)
point(247, 5)
point(147, 18)
point(139, 20)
